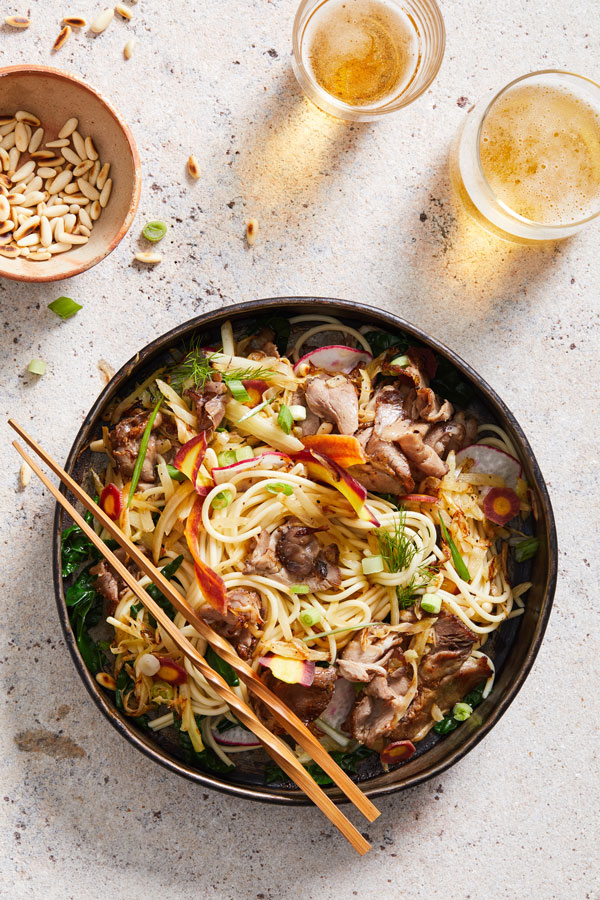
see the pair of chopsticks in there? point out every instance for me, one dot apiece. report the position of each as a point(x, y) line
point(278, 749)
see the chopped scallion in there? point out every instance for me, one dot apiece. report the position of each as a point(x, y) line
point(310, 617)
point(254, 410)
point(37, 367)
point(64, 307)
point(238, 391)
point(298, 413)
point(139, 463)
point(462, 711)
point(155, 231)
point(174, 473)
point(221, 500)
point(524, 550)
point(161, 691)
point(372, 564)
point(401, 361)
point(244, 453)
point(299, 589)
point(457, 559)
point(279, 487)
point(431, 603)
point(227, 458)
point(285, 419)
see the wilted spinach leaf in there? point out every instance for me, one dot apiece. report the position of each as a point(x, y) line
point(220, 666)
point(207, 758)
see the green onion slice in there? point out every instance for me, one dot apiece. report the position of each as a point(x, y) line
point(221, 500)
point(279, 487)
point(174, 473)
point(299, 589)
point(137, 469)
point(322, 634)
point(155, 231)
point(457, 559)
point(524, 550)
point(254, 410)
point(285, 419)
point(64, 307)
point(227, 458)
point(310, 617)
point(37, 367)
point(238, 391)
point(401, 361)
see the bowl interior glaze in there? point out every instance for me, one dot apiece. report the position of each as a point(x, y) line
point(513, 647)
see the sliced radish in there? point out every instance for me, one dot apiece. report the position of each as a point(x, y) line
point(418, 498)
point(335, 358)
point(221, 474)
point(340, 704)
point(492, 461)
point(501, 505)
point(236, 737)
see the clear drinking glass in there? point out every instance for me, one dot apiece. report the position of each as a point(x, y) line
point(526, 165)
point(361, 59)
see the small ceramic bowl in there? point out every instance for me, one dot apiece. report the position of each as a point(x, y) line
point(55, 96)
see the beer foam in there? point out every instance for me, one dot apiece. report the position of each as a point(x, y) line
point(540, 153)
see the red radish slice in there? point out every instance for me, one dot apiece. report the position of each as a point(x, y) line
point(221, 474)
point(397, 752)
point(335, 358)
point(492, 461)
point(340, 704)
point(236, 737)
point(501, 505)
point(418, 498)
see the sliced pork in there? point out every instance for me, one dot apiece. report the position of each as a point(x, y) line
point(291, 554)
point(367, 653)
point(244, 615)
point(125, 439)
point(209, 403)
point(379, 707)
point(333, 399)
point(387, 470)
point(109, 583)
point(262, 345)
point(307, 702)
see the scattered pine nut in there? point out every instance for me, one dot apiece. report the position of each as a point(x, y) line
point(74, 21)
point(128, 48)
point(102, 21)
point(123, 11)
point(148, 257)
point(17, 21)
point(95, 211)
point(102, 176)
point(79, 145)
point(251, 232)
point(64, 142)
point(62, 37)
point(25, 475)
point(106, 680)
point(193, 167)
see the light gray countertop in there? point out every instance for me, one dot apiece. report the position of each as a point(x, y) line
point(363, 213)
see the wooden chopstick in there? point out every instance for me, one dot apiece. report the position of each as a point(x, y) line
point(283, 715)
point(277, 749)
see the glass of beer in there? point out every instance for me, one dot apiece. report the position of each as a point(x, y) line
point(527, 165)
point(361, 59)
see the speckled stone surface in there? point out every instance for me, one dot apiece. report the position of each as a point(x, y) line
point(363, 213)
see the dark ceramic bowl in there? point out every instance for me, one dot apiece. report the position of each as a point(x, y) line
point(513, 647)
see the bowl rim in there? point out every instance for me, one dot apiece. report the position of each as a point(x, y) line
point(378, 317)
point(61, 75)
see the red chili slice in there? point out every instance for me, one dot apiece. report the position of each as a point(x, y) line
point(111, 501)
point(397, 752)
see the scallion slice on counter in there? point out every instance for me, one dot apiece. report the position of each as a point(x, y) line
point(37, 367)
point(139, 463)
point(457, 559)
point(221, 500)
point(238, 391)
point(285, 419)
point(279, 487)
point(64, 307)
point(155, 231)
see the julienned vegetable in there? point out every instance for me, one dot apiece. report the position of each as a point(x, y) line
point(139, 463)
point(64, 307)
point(155, 231)
point(457, 559)
point(285, 419)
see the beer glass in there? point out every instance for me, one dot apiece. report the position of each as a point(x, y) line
point(361, 59)
point(527, 164)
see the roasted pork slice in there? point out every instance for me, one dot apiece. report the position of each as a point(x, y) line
point(379, 707)
point(420, 455)
point(367, 653)
point(387, 470)
point(109, 583)
point(307, 702)
point(209, 403)
point(418, 720)
point(292, 555)
point(392, 411)
point(125, 439)
point(309, 425)
point(452, 645)
point(333, 399)
point(262, 345)
point(244, 613)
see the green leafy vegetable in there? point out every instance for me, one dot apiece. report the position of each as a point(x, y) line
point(220, 666)
point(85, 608)
point(285, 419)
point(524, 550)
point(207, 758)
point(449, 384)
point(64, 307)
point(139, 463)
point(155, 231)
point(381, 341)
point(348, 761)
point(281, 326)
point(457, 559)
point(447, 724)
point(76, 547)
point(168, 571)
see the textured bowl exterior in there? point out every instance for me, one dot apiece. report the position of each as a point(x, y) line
point(517, 649)
point(55, 96)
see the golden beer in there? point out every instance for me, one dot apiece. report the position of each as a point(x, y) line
point(529, 167)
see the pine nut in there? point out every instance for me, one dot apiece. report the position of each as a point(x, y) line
point(105, 195)
point(251, 232)
point(128, 49)
point(21, 140)
point(148, 257)
point(42, 154)
point(88, 191)
point(68, 128)
point(32, 199)
point(59, 231)
point(71, 156)
point(4, 158)
point(35, 184)
point(102, 21)
point(84, 218)
point(82, 168)
point(36, 139)
point(123, 11)
point(58, 247)
point(79, 145)
point(7, 126)
point(83, 229)
point(71, 188)
point(94, 172)
point(62, 37)
point(27, 228)
point(31, 240)
point(23, 172)
point(8, 141)
point(4, 209)
point(61, 181)
point(75, 21)
point(64, 142)
point(45, 232)
point(23, 115)
point(95, 211)
point(90, 150)
point(17, 21)
point(193, 167)
point(40, 255)
point(46, 172)
point(13, 159)
point(102, 176)
point(77, 200)
point(10, 252)
point(7, 226)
